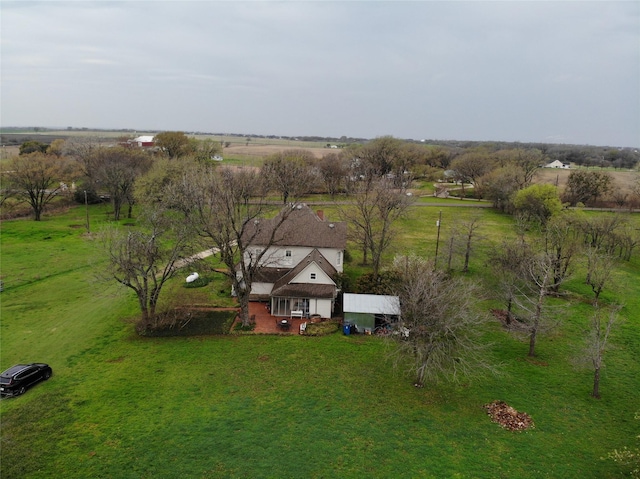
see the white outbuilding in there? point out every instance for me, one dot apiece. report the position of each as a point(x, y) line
point(369, 311)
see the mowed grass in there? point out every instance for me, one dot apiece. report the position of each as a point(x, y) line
point(120, 405)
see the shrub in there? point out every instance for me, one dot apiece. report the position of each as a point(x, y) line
point(92, 197)
point(322, 329)
point(198, 283)
point(384, 283)
point(187, 322)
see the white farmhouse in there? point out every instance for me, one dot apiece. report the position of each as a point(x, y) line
point(297, 272)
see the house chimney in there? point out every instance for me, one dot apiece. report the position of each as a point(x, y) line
point(321, 214)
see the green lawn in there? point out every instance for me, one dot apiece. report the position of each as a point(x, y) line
point(120, 405)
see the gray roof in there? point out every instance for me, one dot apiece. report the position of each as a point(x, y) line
point(281, 278)
point(269, 275)
point(306, 290)
point(282, 286)
point(301, 227)
point(371, 303)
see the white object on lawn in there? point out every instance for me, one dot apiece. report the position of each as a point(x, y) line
point(192, 277)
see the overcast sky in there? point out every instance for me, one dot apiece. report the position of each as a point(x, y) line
point(558, 72)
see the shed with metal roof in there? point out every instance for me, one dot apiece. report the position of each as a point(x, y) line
point(370, 311)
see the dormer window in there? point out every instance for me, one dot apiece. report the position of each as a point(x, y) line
point(287, 253)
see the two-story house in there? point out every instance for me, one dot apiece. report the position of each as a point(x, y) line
point(296, 273)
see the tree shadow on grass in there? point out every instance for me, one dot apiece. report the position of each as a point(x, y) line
point(188, 322)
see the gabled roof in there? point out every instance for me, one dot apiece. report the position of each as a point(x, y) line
point(283, 286)
point(302, 227)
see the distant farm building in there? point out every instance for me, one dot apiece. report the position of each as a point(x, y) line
point(557, 164)
point(142, 142)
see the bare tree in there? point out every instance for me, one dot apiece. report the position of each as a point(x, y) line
point(226, 207)
point(509, 262)
point(117, 170)
point(5, 191)
point(470, 227)
point(635, 190)
point(500, 185)
point(37, 178)
point(584, 186)
point(526, 161)
point(439, 325)
point(144, 259)
point(381, 154)
point(376, 206)
point(82, 151)
point(602, 231)
point(601, 324)
point(151, 186)
point(333, 171)
point(453, 245)
point(289, 173)
point(531, 300)
point(562, 245)
point(600, 268)
point(462, 234)
point(471, 166)
point(628, 238)
point(390, 158)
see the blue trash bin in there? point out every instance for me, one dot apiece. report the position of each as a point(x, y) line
point(346, 329)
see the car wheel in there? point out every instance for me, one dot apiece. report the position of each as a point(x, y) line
point(21, 391)
point(47, 375)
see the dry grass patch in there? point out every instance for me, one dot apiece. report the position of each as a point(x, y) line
point(262, 151)
point(624, 180)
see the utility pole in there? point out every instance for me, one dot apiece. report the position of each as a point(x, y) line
point(86, 206)
point(435, 262)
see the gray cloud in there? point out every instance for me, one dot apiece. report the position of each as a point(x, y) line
point(515, 71)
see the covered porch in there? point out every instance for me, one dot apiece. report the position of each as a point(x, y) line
point(266, 323)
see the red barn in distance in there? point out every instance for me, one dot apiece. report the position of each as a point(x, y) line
point(139, 142)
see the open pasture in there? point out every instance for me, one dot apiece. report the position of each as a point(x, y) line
point(624, 180)
point(125, 406)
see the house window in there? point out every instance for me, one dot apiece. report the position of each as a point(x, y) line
point(287, 253)
point(301, 305)
point(339, 257)
point(253, 255)
point(313, 276)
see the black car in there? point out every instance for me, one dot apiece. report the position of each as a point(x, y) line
point(15, 380)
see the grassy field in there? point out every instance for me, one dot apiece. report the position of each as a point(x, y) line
point(125, 406)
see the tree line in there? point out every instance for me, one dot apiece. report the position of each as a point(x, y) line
point(189, 203)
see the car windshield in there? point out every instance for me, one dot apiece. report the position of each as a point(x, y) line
point(9, 373)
